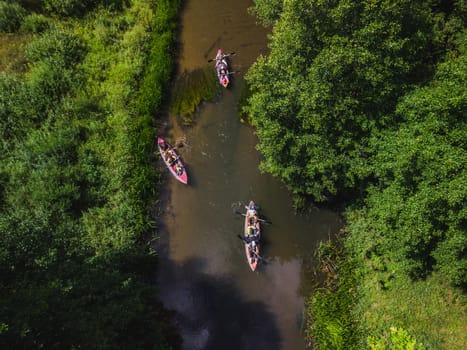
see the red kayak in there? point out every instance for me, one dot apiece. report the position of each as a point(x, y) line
point(252, 235)
point(172, 160)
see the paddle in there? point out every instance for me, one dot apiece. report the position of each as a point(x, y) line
point(262, 220)
point(226, 55)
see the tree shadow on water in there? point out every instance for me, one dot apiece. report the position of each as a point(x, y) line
point(211, 313)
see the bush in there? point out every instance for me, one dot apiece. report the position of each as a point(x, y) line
point(35, 23)
point(77, 8)
point(267, 11)
point(57, 45)
point(11, 16)
point(14, 118)
point(399, 339)
point(48, 82)
point(66, 7)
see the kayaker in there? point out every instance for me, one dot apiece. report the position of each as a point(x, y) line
point(220, 55)
point(251, 209)
point(251, 213)
point(253, 252)
point(256, 225)
point(178, 169)
point(222, 70)
point(171, 157)
point(252, 238)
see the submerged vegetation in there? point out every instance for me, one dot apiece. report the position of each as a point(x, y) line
point(366, 100)
point(190, 89)
point(76, 181)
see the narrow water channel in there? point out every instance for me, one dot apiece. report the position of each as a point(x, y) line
point(203, 274)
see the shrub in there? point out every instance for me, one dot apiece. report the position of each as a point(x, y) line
point(35, 23)
point(56, 45)
point(14, 119)
point(399, 339)
point(77, 8)
point(66, 7)
point(48, 82)
point(11, 16)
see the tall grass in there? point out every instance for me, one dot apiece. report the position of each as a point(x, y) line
point(159, 66)
point(77, 181)
point(331, 321)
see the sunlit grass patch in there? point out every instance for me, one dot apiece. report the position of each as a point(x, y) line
point(12, 47)
point(190, 89)
point(431, 310)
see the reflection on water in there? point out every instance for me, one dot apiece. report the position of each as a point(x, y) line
point(203, 274)
point(213, 313)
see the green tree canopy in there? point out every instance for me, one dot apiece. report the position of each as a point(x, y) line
point(334, 75)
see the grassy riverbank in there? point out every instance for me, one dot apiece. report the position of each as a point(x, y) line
point(77, 182)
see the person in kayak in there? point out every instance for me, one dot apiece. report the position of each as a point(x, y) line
point(222, 71)
point(251, 209)
point(254, 254)
point(252, 238)
point(165, 150)
point(220, 56)
point(178, 169)
point(171, 157)
point(251, 231)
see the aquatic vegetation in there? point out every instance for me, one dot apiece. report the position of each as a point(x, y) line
point(190, 90)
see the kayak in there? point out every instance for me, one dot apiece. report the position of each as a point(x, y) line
point(252, 235)
point(222, 68)
point(172, 160)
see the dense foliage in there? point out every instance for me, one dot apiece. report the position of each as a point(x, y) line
point(419, 201)
point(332, 79)
point(368, 99)
point(11, 16)
point(76, 184)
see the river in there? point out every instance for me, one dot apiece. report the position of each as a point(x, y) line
point(202, 273)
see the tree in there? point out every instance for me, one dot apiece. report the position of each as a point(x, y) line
point(333, 78)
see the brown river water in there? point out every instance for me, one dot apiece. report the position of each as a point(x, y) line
point(203, 274)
